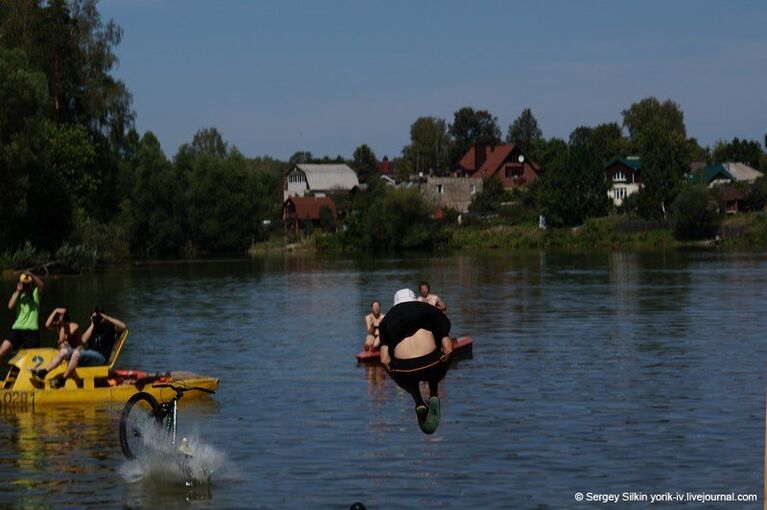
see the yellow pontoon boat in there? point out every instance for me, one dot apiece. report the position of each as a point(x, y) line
point(90, 384)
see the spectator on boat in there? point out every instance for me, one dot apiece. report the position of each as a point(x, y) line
point(68, 334)
point(25, 332)
point(415, 347)
point(427, 297)
point(372, 323)
point(98, 340)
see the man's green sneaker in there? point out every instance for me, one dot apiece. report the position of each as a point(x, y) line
point(431, 423)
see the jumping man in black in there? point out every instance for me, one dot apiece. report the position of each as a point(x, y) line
point(415, 346)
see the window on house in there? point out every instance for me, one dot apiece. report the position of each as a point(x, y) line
point(440, 188)
point(473, 189)
point(513, 171)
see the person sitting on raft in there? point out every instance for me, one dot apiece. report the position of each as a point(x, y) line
point(98, 340)
point(68, 334)
point(372, 324)
point(427, 297)
point(415, 347)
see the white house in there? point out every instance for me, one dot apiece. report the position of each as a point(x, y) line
point(318, 180)
point(623, 178)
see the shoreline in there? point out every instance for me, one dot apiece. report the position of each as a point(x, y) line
point(743, 231)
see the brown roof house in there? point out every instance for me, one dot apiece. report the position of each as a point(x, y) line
point(504, 162)
point(298, 209)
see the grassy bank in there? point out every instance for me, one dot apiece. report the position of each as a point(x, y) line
point(614, 232)
point(611, 232)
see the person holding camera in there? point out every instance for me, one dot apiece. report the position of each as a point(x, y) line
point(25, 332)
point(98, 340)
point(68, 335)
point(372, 321)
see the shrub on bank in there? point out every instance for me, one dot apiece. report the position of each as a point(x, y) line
point(68, 258)
point(607, 232)
point(23, 257)
point(697, 212)
point(745, 229)
point(387, 219)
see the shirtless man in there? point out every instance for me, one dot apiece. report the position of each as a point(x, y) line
point(372, 321)
point(415, 347)
point(68, 336)
point(427, 297)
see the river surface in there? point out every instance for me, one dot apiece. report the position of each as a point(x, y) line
point(602, 373)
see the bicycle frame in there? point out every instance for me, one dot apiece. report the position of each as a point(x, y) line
point(169, 412)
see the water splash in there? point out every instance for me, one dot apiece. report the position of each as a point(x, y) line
point(191, 461)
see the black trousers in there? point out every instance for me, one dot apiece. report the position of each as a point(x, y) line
point(407, 373)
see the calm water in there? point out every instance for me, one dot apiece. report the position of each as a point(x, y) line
point(602, 372)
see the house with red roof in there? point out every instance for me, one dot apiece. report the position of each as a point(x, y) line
point(504, 162)
point(297, 209)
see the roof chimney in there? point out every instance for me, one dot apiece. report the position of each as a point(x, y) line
point(480, 155)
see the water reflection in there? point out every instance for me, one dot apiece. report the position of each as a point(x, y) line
point(597, 371)
point(49, 449)
point(378, 381)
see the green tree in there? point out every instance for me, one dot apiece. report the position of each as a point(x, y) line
point(36, 208)
point(365, 163)
point(756, 195)
point(300, 157)
point(490, 199)
point(651, 112)
point(697, 212)
point(407, 220)
point(209, 141)
point(524, 131)
point(327, 222)
point(469, 127)
point(428, 148)
point(740, 151)
point(72, 155)
point(548, 152)
point(153, 209)
point(573, 187)
point(665, 159)
point(606, 141)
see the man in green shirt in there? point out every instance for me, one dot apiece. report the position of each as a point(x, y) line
point(25, 332)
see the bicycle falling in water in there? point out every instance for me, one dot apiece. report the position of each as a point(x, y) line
point(149, 428)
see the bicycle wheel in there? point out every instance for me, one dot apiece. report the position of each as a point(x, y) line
point(140, 417)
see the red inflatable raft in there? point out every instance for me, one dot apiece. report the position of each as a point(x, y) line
point(461, 345)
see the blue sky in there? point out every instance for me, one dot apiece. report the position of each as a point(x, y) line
point(328, 75)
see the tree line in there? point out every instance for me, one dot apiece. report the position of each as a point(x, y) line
point(78, 179)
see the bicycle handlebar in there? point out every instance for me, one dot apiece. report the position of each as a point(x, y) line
point(182, 389)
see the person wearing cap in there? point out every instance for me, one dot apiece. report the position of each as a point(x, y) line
point(427, 297)
point(415, 347)
point(25, 300)
point(372, 324)
point(68, 335)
